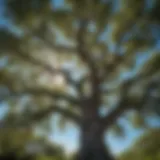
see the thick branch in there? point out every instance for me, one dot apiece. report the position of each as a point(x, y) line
point(55, 109)
point(126, 103)
point(38, 92)
point(112, 117)
point(40, 115)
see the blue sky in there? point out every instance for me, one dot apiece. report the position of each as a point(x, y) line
point(69, 138)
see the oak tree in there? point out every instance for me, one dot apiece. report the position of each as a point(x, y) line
point(77, 58)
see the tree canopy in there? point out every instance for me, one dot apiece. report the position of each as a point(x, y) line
point(76, 58)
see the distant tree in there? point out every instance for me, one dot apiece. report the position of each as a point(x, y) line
point(147, 147)
point(77, 58)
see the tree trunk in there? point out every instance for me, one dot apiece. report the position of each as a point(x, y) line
point(92, 145)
